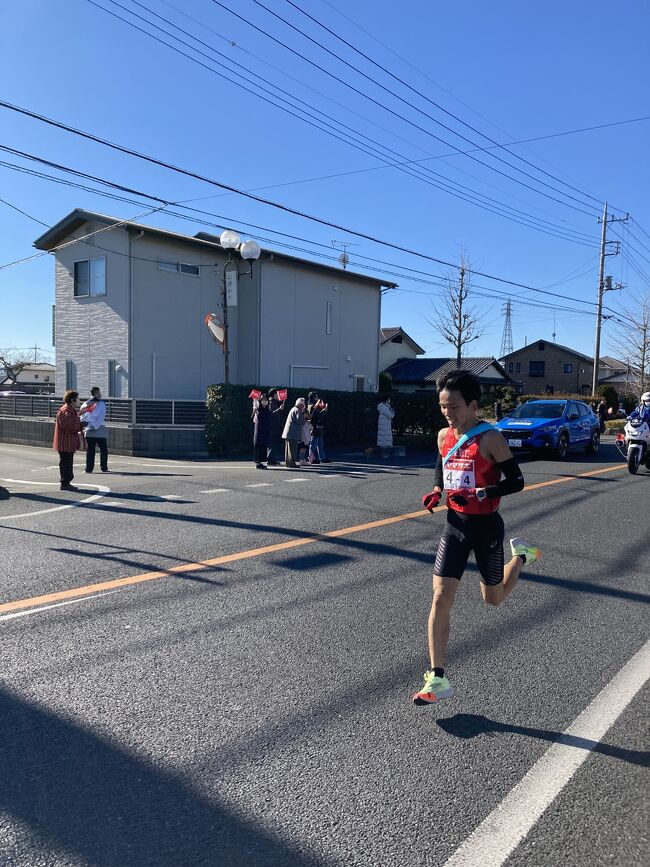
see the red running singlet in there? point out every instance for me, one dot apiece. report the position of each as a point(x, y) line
point(467, 468)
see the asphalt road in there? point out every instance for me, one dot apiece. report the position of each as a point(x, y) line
point(255, 711)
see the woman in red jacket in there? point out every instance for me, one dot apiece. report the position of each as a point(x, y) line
point(67, 428)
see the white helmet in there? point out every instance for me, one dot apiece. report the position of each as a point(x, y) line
point(645, 398)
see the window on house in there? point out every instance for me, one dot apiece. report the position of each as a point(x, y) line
point(194, 270)
point(70, 374)
point(541, 346)
point(46, 379)
point(36, 376)
point(178, 267)
point(568, 368)
point(518, 367)
point(535, 368)
point(112, 378)
point(511, 367)
point(90, 277)
point(329, 306)
point(359, 382)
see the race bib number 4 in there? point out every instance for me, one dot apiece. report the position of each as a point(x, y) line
point(459, 473)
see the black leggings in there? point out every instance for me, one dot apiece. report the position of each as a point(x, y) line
point(463, 533)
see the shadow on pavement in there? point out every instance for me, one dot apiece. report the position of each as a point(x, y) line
point(470, 725)
point(79, 793)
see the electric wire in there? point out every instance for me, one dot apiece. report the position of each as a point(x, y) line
point(391, 160)
point(402, 99)
point(437, 105)
point(247, 195)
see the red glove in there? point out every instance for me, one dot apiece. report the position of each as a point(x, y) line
point(462, 496)
point(431, 500)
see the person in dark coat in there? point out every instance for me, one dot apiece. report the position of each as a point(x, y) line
point(275, 448)
point(602, 414)
point(67, 428)
point(261, 431)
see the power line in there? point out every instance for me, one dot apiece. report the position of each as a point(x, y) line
point(416, 108)
point(391, 159)
point(437, 105)
point(24, 213)
point(243, 193)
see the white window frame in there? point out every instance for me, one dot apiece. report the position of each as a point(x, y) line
point(171, 267)
point(88, 294)
point(329, 317)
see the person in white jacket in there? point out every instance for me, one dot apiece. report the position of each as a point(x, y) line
point(385, 424)
point(93, 419)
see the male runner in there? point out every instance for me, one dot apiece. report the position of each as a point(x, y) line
point(470, 469)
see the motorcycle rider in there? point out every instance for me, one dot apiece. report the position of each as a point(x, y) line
point(642, 411)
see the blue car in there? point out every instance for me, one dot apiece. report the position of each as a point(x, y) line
point(552, 426)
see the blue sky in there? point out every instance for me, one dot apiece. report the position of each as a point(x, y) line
point(510, 70)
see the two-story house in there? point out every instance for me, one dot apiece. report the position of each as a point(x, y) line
point(395, 345)
point(131, 303)
point(547, 367)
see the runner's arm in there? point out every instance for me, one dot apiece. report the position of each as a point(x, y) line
point(498, 451)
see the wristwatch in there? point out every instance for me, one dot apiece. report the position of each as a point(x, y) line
point(481, 494)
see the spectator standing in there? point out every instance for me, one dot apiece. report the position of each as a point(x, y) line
point(292, 433)
point(275, 437)
point(385, 424)
point(67, 427)
point(602, 414)
point(498, 410)
point(261, 431)
point(316, 411)
point(93, 420)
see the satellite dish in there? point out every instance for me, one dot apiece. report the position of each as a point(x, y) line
point(215, 327)
point(344, 259)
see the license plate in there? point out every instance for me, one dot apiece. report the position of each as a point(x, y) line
point(515, 443)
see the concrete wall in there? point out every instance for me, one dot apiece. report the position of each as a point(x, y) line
point(142, 441)
point(554, 358)
point(90, 331)
point(294, 302)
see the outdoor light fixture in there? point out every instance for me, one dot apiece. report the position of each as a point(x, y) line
point(249, 251)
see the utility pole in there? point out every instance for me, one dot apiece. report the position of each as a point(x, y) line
point(460, 316)
point(602, 288)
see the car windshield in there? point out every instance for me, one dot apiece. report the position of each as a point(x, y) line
point(538, 410)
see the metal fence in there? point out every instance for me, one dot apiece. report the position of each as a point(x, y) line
point(188, 413)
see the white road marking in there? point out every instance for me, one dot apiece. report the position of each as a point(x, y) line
point(102, 490)
point(216, 491)
point(260, 485)
point(498, 835)
point(171, 497)
point(57, 605)
point(297, 480)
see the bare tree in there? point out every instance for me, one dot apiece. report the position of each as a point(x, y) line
point(632, 342)
point(455, 320)
point(14, 361)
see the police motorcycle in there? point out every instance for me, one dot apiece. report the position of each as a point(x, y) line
point(634, 444)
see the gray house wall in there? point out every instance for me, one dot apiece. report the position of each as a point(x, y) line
point(89, 331)
point(295, 346)
point(173, 354)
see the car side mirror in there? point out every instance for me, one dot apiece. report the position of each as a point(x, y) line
point(573, 416)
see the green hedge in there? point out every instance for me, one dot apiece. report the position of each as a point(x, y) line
point(351, 418)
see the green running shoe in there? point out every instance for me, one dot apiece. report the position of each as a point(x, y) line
point(434, 688)
point(521, 548)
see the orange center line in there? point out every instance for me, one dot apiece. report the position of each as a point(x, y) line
point(77, 592)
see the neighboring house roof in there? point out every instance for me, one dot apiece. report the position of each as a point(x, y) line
point(532, 343)
point(614, 363)
point(430, 369)
point(75, 219)
point(387, 334)
point(414, 369)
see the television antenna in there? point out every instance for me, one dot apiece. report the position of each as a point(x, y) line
point(344, 259)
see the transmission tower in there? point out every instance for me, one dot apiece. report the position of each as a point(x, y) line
point(506, 340)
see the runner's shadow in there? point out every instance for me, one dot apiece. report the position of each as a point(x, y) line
point(470, 725)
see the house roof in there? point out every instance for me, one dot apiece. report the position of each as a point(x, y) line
point(411, 370)
point(387, 334)
point(532, 343)
point(614, 363)
point(75, 219)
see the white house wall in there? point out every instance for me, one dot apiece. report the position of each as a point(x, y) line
point(390, 352)
point(295, 347)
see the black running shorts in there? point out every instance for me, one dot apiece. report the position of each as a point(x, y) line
point(482, 534)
